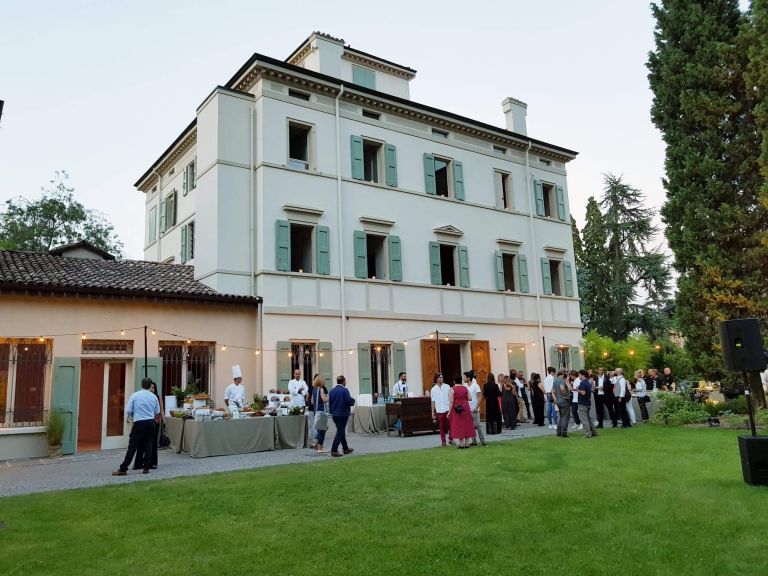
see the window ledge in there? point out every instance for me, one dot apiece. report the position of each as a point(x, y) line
point(303, 210)
point(376, 221)
point(555, 250)
point(22, 430)
point(449, 231)
point(507, 243)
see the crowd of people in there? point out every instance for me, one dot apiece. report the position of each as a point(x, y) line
point(511, 400)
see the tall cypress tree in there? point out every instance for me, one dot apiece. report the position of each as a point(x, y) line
point(594, 271)
point(712, 212)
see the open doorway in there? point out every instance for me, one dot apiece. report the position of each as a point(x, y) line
point(450, 360)
point(101, 408)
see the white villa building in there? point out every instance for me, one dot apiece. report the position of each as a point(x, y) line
point(383, 235)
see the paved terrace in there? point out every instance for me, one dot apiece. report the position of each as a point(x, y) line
point(91, 469)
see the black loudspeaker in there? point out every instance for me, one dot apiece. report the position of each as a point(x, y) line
point(742, 345)
point(754, 459)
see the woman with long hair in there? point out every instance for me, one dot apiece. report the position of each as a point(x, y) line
point(492, 410)
point(537, 398)
point(319, 416)
point(509, 403)
point(462, 426)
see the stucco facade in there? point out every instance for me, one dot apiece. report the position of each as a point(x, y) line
point(250, 194)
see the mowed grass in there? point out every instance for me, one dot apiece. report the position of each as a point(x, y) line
point(649, 500)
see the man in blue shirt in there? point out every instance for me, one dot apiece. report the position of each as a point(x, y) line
point(144, 408)
point(585, 403)
point(340, 402)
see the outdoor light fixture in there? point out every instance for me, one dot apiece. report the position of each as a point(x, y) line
point(224, 348)
point(122, 332)
point(153, 332)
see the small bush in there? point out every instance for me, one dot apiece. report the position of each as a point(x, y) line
point(737, 405)
point(676, 410)
point(714, 408)
point(54, 428)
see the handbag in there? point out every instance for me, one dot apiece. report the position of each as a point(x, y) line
point(164, 440)
point(321, 421)
point(459, 408)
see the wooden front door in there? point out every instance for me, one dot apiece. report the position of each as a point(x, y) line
point(429, 363)
point(481, 363)
point(91, 405)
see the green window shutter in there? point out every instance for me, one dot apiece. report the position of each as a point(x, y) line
point(361, 254)
point(364, 368)
point(499, 260)
point(283, 246)
point(435, 270)
point(546, 276)
point(575, 358)
point(560, 202)
point(152, 232)
point(568, 279)
point(554, 358)
point(395, 258)
point(65, 398)
point(463, 267)
point(172, 209)
point(458, 180)
point(364, 77)
point(325, 362)
point(517, 358)
point(430, 185)
point(356, 148)
point(284, 365)
point(398, 358)
point(183, 244)
point(390, 161)
point(358, 76)
point(538, 191)
point(162, 215)
point(522, 272)
point(323, 247)
point(154, 371)
point(184, 185)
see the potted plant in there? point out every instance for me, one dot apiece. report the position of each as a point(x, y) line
point(179, 394)
point(259, 402)
point(54, 430)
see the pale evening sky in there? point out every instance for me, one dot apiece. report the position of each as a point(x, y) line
point(102, 88)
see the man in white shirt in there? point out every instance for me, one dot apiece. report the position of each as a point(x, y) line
point(475, 395)
point(575, 381)
point(298, 390)
point(549, 382)
point(234, 394)
point(440, 395)
point(401, 387)
point(620, 386)
point(603, 397)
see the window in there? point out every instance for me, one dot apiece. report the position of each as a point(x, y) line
point(116, 347)
point(152, 224)
point(301, 248)
point(377, 256)
point(500, 149)
point(550, 200)
point(364, 77)
point(443, 177)
point(511, 272)
point(298, 146)
point(187, 242)
point(186, 363)
point(22, 382)
point(554, 272)
point(557, 277)
point(299, 95)
point(439, 133)
point(503, 196)
point(442, 181)
point(381, 375)
point(545, 162)
point(371, 154)
point(303, 358)
point(168, 212)
point(190, 175)
point(371, 114)
point(449, 265)
point(508, 265)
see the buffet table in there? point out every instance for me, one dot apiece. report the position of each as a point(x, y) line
point(369, 420)
point(415, 415)
point(201, 439)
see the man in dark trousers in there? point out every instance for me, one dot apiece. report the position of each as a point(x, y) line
point(144, 408)
point(604, 399)
point(340, 402)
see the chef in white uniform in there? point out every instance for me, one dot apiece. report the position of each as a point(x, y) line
point(234, 395)
point(298, 390)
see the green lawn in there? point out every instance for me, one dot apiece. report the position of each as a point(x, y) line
point(649, 500)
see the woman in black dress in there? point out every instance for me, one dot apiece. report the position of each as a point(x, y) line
point(509, 403)
point(492, 412)
point(537, 399)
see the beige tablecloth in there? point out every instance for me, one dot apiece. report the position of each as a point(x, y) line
point(290, 431)
point(174, 428)
point(370, 419)
point(223, 437)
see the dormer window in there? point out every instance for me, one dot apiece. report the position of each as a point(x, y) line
point(364, 77)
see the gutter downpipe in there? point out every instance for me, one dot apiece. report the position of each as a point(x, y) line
point(533, 247)
point(252, 250)
point(343, 306)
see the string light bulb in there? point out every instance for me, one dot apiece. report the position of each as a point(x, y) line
point(446, 338)
point(82, 336)
point(41, 339)
point(509, 350)
point(321, 354)
point(223, 347)
point(189, 341)
point(405, 342)
point(257, 352)
point(351, 351)
point(522, 348)
point(122, 332)
point(154, 332)
point(631, 352)
point(290, 354)
point(605, 354)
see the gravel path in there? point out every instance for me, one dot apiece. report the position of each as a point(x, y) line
point(91, 469)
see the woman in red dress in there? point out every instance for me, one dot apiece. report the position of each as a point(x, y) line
point(462, 425)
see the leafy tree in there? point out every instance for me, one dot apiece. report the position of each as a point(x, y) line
point(625, 280)
point(706, 112)
point(630, 354)
point(57, 218)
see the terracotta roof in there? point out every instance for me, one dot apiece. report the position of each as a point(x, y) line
point(49, 273)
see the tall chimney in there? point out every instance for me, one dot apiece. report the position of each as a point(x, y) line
point(515, 112)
